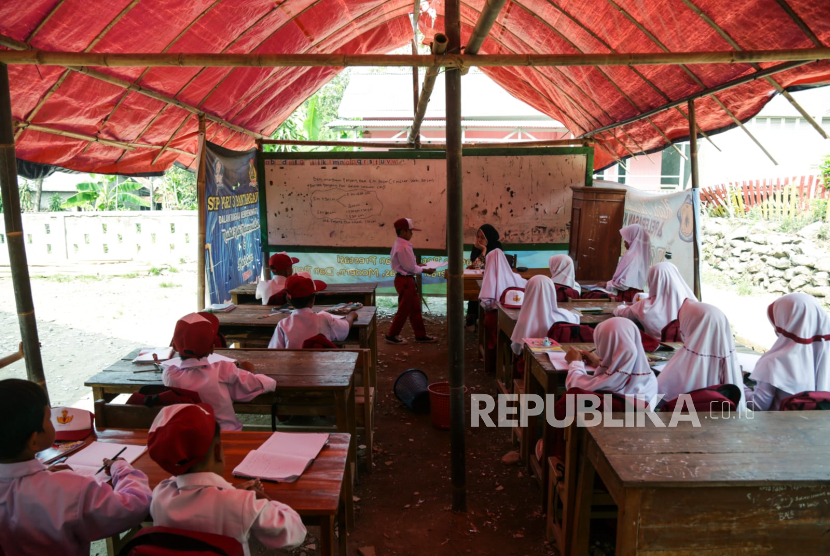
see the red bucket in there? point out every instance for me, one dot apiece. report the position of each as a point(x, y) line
point(439, 403)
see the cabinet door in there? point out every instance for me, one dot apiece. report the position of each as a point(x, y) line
point(573, 246)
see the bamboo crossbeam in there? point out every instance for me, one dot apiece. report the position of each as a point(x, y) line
point(96, 59)
point(489, 14)
point(402, 145)
point(439, 47)
point(800, 22)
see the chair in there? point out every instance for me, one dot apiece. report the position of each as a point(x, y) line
point(671, 332)
point(167, 541)
point(122, 416)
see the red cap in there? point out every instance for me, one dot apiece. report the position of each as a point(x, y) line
point(193, 336)
point(213, 319)
point(303, 286)
point(180, 436)
point(281, 261)
point(405, 224)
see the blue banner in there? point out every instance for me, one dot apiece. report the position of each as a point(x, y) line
point(232, 242)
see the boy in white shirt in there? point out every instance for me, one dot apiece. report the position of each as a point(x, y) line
point(185, 441)
point(218, 380)
point(50, 511)
point(282, 266)
point(409, 301)
point(304, 323)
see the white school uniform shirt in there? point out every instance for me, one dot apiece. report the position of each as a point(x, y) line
point(623, 368)
point(633, 266)
point(562, 272)
point(61, 512)
point(206, 503)
point(303, 324)
point(403, 259)
point(219, 384)
point(498, 276)
point(708, 356)
point(539, 312)
point(799, 360)
point(667, 291)
point(267, 288)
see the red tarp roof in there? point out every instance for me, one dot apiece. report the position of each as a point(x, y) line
point(259, 99)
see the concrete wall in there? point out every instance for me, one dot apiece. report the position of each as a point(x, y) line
point(145, 236)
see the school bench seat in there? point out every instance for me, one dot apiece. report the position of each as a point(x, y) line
point(123, 416)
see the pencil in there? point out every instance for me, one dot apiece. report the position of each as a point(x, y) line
point(116, 455)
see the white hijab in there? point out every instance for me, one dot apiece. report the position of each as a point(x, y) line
point(620, 352)
point(666, 293)
point(562, 272)
point(539, 312)
point(632, 268)
point(498, 276)
point(799, 360)
point(708, 357)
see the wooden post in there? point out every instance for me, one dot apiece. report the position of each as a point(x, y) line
point(439, 46)
point(14, 237)
point(695, 186)
point(455, 270)
point(201, 206)
point(416, 14)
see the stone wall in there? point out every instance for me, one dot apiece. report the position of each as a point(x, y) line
point(768, 259)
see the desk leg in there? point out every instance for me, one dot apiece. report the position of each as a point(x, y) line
point(582, 511)
point(528, 433)
point(345, 402)
point(327, 535)
point(234, 299)
point(341, 526)
point(628, 516)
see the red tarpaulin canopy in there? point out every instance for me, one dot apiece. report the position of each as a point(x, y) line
point(259, 99)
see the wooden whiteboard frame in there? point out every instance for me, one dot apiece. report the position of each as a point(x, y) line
point(406, 154)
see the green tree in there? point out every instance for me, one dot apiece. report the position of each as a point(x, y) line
point(55, 203)
point(177, 191)
point(25, 195)
point(824, 171)
point(107, 194)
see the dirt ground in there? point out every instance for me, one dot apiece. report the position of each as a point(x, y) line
point(402, 508)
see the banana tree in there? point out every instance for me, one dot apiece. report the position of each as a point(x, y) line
point(107, 195)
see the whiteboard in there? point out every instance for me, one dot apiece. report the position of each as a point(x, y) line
point(352, 202)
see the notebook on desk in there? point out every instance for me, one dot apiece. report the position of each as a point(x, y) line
point(88, 461)
point(283, 458)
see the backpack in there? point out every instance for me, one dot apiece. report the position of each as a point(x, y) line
point(167, 541)
point(671, 332)
point(564, 293)
point(318, 342)
point(594, 295)
point(650, 343)
point(512, 298)
point(627, 295)
point(152, 396)
point(567, 333)
point(720, 397)
point(806, 401)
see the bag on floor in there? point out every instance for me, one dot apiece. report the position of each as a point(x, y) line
point(720, 398)
point(806, 401)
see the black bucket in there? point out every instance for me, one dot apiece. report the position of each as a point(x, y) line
point(411, 388)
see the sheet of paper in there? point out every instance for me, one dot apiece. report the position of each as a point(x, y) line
point(262, 465)
point(557, 359)
point(212, 358)
point(94, 454)
point(302, 445)
point(472, 272)
point(145, 355)
point(436, 264)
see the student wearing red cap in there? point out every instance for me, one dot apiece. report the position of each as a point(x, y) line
point(282, 266)
point(46, 511)
point(184, 440)
point(409, 301)
point(304, 323)
point(217, 380)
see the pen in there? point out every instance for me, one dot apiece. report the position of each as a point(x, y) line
point(116, 455)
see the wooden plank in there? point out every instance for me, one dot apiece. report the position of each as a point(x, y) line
point(260, 316)
point(364, 293)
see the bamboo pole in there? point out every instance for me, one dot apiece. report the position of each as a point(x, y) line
point(42, 58)
point(439, 47)
point(201, 205)
point(455, 270)
point(14, 237)
point(487, 17)
point(416, 15)
point(801, 24)
point(695, 186)
point(173, 136)
point(402, 145)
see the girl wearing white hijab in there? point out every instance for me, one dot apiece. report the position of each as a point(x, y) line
point(799, 361)
point(708, 356)
point(539, 312)
point(622, 365)
point(666, 293)
point(498, 276)
point(562, 273)
point(633, 266)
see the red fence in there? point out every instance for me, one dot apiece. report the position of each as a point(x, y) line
point(787, 196)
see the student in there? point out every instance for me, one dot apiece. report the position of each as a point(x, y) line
point(46, 511)
point(799, 361)
point(622, 365)
point(282, 266)
point(487, 239)
point(630, 277)
point(218, 381)
point(409, 300)
point(708, 356)
point(562, 274)
point(538, 313)
point(498, 276)
point(184, 440)
point(666, 293)
point(304, 323)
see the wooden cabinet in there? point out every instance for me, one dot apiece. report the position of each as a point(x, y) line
point(596, 219)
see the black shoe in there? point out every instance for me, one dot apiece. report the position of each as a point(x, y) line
point(394, 340)
point(426, 339)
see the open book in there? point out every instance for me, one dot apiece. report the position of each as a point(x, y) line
point(88, 461)
point(596, 289)
point(145, 355)
point(557, 359)
point(283, 457)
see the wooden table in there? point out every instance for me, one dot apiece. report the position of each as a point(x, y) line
point(757, 485)
point(320, 495)
point(332, 295)
point(507, 323)
point(472, 289)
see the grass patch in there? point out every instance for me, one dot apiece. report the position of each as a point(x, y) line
point(131, 275)
point(65, 278)
point(169, 285)
point(173, 269)
point(182, 261)
point(155, 271)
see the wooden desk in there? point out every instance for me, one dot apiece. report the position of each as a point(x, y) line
point(332, 295)
point(472, 289)
point(319, 495)
point(748, 486)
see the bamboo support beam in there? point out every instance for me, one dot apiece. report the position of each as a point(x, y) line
point(695, 172)
point(416, 15)
point(489, 13)
point(456, 61)
point(800, 22)
point(201, 206)
point(173, 136)
point(742, 126)
point(439, 47)
point(437, 146)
